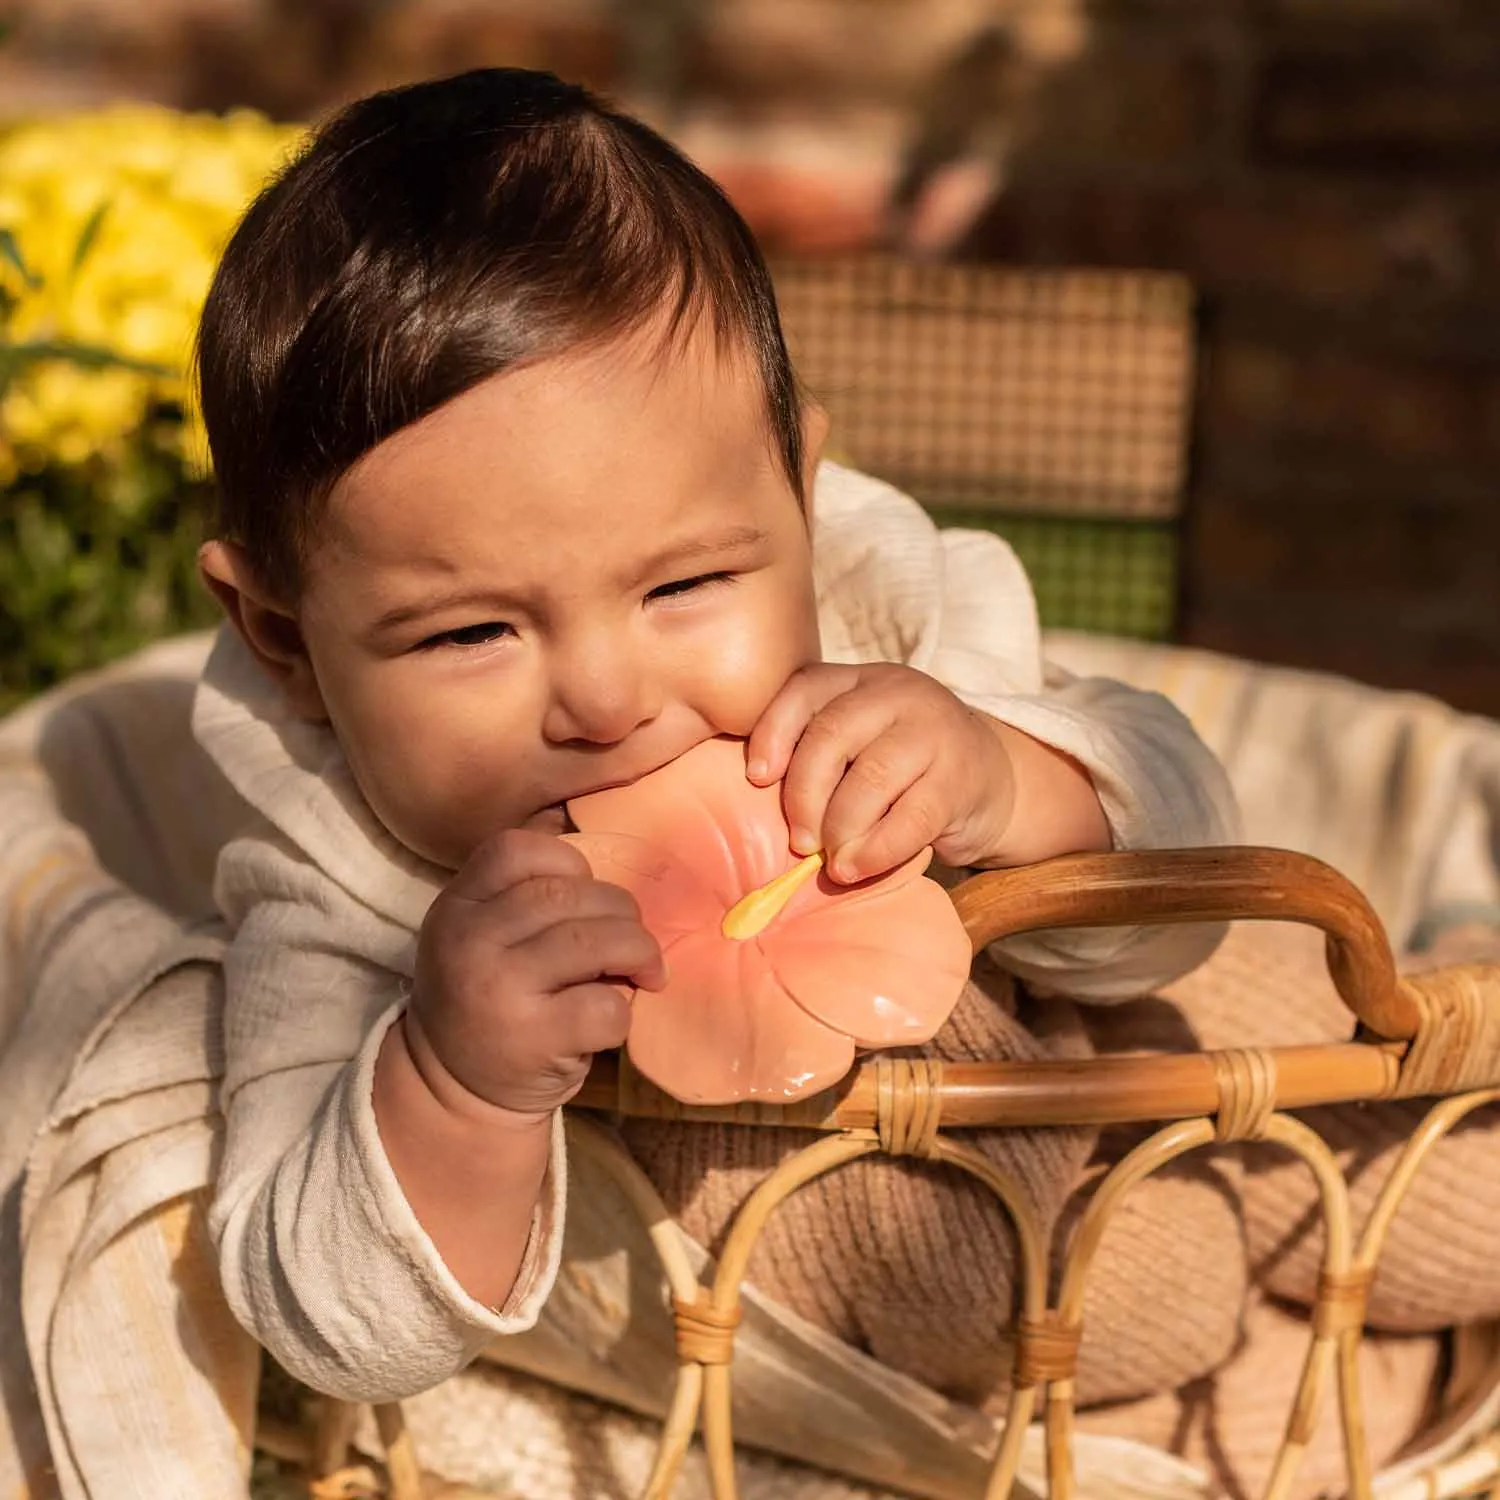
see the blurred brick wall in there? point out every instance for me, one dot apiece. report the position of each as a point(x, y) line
point(800, 106)
point(1328, 172)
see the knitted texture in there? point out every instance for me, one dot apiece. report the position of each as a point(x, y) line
point(916, 1263)
point(1269, 985)
point(1231, 1424)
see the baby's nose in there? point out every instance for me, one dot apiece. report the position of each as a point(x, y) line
point(602, 702)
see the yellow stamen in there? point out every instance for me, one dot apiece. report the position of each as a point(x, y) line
point(753, 913)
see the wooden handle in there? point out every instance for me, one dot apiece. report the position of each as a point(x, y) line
point(1201, 885)
point(1011, 1095)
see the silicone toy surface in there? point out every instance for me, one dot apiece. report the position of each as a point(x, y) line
point(775, 973)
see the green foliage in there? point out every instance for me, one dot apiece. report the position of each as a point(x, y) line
point(111, 222)
point(1112, 577)
point(96, 557)
point(96, 560)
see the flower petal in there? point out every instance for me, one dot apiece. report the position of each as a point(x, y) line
point(884, 967)
point(818, 895)
point(674, 901)
point(703, 807)
point(723, 1030)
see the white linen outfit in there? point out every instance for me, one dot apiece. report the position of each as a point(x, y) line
point(322, 1258)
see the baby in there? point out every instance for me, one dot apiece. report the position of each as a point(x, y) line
point(521, 499)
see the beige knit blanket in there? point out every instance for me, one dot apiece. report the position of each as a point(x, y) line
point(108, 1054)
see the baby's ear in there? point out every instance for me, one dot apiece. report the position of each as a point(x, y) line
point(268, 627)
point(814, 435)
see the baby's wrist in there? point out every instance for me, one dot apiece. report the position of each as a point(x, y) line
point(471, 1172)
point(1048, 805)
point(411, 1050)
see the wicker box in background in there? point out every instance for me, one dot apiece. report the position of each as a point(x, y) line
point(1050, 406)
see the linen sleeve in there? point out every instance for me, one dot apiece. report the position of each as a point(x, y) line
point(958, 605)
point(321, 1257)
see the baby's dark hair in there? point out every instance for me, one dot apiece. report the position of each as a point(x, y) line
point(431, 236)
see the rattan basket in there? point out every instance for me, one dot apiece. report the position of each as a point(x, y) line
point(1055, 407)
point(1434, 1035)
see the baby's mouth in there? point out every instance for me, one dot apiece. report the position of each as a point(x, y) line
point(547, 818)
point(553, 819)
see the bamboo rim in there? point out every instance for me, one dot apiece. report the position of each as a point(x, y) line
point(1089, 1091)
point(1122, 888)
point(1135, 888)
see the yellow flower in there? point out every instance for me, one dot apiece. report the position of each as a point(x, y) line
point(149, 196)
point(71, 414)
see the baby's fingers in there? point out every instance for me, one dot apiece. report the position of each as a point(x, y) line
point(884, 776)
point(804, 694)
point(834, 740)
point(584, 949)
point(912, 823)
point(592, 1018)
point(512, 857)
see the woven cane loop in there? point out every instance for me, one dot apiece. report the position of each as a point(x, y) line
point(908, 1104)
point(1046, 1349)
point(1457, 1046)
point(1247, 1093)
point(705, 1333)
point(1342, 1296)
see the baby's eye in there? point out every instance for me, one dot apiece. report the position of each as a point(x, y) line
point(470, 635)
point(688, 585)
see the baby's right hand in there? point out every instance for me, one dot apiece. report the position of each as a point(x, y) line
point(512, 995)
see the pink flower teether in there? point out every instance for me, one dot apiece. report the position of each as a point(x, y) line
point(776, 973)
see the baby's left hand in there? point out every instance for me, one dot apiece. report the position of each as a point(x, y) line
point(878, 761)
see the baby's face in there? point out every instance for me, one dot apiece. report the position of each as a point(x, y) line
point(559, 581)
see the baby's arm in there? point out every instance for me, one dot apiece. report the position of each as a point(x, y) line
point(957, 605)
point(373, 1236)
point(509, 1005)
point(1160, 788)
point(1157, 783)
point(321, 1256)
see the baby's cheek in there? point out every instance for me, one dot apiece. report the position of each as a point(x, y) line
point(751, 668)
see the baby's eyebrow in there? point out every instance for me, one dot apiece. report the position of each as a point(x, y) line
point(403, 614)
point(695, 549)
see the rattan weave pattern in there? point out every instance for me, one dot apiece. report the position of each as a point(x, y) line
point(1029, 392)
point(1051, 406)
